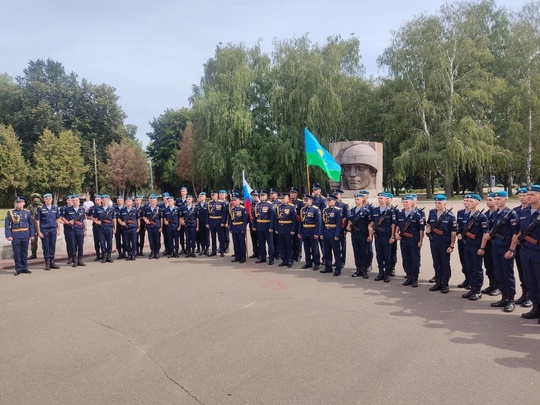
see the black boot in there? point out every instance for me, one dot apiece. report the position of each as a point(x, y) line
point(444, 287)
point(365, 272)
point(198, 249)
point(510, 305)
point(47, 264)
point(70, 259)
point(80, 262)
point(98, 257)
point(357, 273)
point(103, 257)
point(408, 280)
point(437, 286)
point(109, 259)
point(499, 304)
point(74, 262)
point(491, 287)
point(524, 300)
point(380, 276)
point(392, 271)
point(464, 284)
point(188, 254)
point(151, 256)
point(534, 313)
point(477, 293)
point(387, 275)
point(156, 254)
point(54, 265)
point(33, 256)
point(414, 281)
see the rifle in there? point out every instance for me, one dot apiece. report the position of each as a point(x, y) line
point(494, 233)
point(466, 231)
point(408, 223)
point(152, 220)
point(530, 228)
point(377, 226)
point(353, 224)
point(437, 223)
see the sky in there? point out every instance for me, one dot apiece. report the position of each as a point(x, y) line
point(153, 52)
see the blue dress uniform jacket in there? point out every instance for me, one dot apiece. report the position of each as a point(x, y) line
point(131, 219)
point(154, 216)
point(505, 225)
point(473, 239)
point(286, 229)
point(440, 235)
point(19, 225)
point(529, 226)
point(332, 217)
point(238, 222)
point(410, 225)
point(77, 216)
point(216, 219)
point(360, 218)
point(265, 223)
point(310, 225)
point(382, 224)
point(189, 215)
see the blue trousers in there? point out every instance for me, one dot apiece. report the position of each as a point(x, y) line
point(68, 236)
point(239, 243)
point(20, 252)
point(530, 260)
point(332, 246)
point(154, 238)
point(216, 232)
point(77, 241)
point(473, 265)
point(130, 240)
point(360, 249)
point(410, 255)
point(311, 248)
point(286, 247)
point(106, 237)
point(266, 238)
point(441, 260)
point(504, 271)
point(384, 252)
point(49, 242)
point(191, 237)
point(172, 237)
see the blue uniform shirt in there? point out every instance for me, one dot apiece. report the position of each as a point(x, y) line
point(410, 225)
point(443, 231)
point(526, 219)
point(383, 221)
point(154, 216)
point(360, 219)
point(47, 217)
point(474, 235)
point(507, 222)
point(130, 217)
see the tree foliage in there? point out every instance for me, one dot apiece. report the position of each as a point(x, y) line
point(127, 168)
point(14, 170)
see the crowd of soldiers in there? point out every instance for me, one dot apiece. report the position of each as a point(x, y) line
point(280, 224)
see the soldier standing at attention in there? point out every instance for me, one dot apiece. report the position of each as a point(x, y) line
point(286, 225)
point(524, 299)
point(152, 218)
point(188, 218)
point(19, 230)
point(164, 231)
point(142, 225)
point(309, 232)
point(35, 205)
point(274, 200)
point(108, 229)
point(474, 235)
point(382, 226)
point(171, 218)
point(441, 229)
point(119, 232)
point(297, 243)
point(75, 217)
point(462, 217)
point(320, 202)
point(93, 213)
point(393, 246)
point(345, 218)
point(252, 230)
point(202, 235)
point(238, 221)
point(68, 230)
point(529, 239)
point(410, 231)
point(217, 215)
point(181, 204)
point(129, 219)
point(332, 216)
point(505, 226)
point(225, 224)
point(48, 229)
point(265, 223)
point(369, 207)
point(492, 289)
point(358, 226)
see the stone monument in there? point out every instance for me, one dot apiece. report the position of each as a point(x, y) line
point(361, 166)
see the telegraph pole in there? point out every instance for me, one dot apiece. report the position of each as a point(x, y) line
point(95, 167)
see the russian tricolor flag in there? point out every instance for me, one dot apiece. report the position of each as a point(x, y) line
point(247, 194)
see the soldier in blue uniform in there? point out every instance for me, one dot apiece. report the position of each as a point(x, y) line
point(505, 225)
point(238, 222)
point(297, 243)
point(181, 204)
point(462, 217)
point(68, 231)
point(217, 215)
point(171, 218)
point(529, 239)
point(358, 225)
point(203, 239)
point(119, 232)
point(331, 217)
point(139, 206)
point(48, 229)
point(345, 218)
point(524, 299)
point(320, 202)
point(95, 228)
point(382, 226)
point(309, 232)
point(189, 218)
point(164, 228)
point(265, 223)
point(128, 218)
point(74, 217)
point(19, 230)
point(153, 217)
point(286, 226)
point(474, 234)
point(107, 221)
point(410, 225)
point(441, 230)
point(491, 289)
point(393, 246)
point(226, 239)
point(274, 200)
point(253, 231)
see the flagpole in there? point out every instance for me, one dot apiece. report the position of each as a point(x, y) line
point(308, 183)
point(307, 166)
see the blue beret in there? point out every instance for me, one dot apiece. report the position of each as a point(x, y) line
point(332, 197)
point(364, 192)
point(223, 191)
point(413, 195)
point(183, 188)
point(119, 197)
point(129, 198)
point(359, 195)
point(97, 196)
point(491, 195)
point(535, 187)
point(75, 196)
point(294, 190)
point(20, 199)
point(47, 195)
point(381, 194)
point(105, 196)
point(407, 198)
point(189, 196)
point(475, 197)
point(501, 193)
point(439, 197)
point(316, 186)
point(202, 193)
point(389, 195)
point(165, 194)
point(152, 196)
point(522, 190)
point(68, 197)
point(139, 196)
point(308, 197)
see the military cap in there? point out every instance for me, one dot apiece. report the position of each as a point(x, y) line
point(152, 197)
point(294, 190)
point(439, 197)
point(165, 194)
point(254, 192)
point(501, 193)
point(316, 186)
point(338, 191)
point(308, 197)
point(129, 198)
point(74, 195)
point(475, 197)
point(359, 195)
point(213, 192)
point(283, 195)
point(332, 197)
point(535, 187)
point(263, 192)
point(97, 196)
point(522, 190)
point(189, 196)
point(119, 197)
point(36, 195)
point(20, 199)
point(47, 195)
point(139, 196)
point(272, 190)
point(105, 196)
point(202, 193)
point(236, 197)
point(407, 198)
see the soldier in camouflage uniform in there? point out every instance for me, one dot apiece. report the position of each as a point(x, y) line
point(33, 207)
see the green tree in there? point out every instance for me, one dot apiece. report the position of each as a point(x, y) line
point(14, 170)
point(126, 166)
point(59, 165)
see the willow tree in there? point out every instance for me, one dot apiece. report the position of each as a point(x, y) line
point(444, 63)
